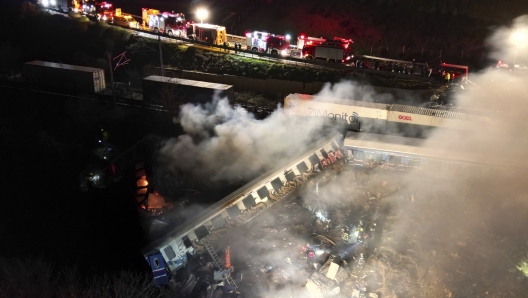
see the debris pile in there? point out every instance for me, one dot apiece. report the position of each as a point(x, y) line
point(375, 232)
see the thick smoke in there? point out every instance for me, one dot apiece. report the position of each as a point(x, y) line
point(457, 236)
point(222, 143)
point(460, 236)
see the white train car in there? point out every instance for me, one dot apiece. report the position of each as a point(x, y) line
point(375, 117)
point(170, 253)
point(404, 153)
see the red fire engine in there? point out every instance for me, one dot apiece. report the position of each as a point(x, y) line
point(268, 43)
point(92, 7)
point(172, 24)
point(337, 50)
point(307, 40)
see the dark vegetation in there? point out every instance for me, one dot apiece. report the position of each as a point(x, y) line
point(39, 278)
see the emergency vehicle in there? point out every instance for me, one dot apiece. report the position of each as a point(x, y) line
point(207, 33)
point(268, 43)
point(146, 13)
point(303, 41)
point(172, 24)
point(93, 8)
point(334, 51)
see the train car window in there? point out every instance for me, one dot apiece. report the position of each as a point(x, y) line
point(186, 241)
point(201, 232)
point(276, 183)
point(263, 192)
point(169, 252)
point(395, 160)
point(379, 157)
point(314, 159)
point(358, 155)
point(302, 167)
point(289, 175)
point(218, 222)
point(233, 211)
point(350, 154)
point(249, 201)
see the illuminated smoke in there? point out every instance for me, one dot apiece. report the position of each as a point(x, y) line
point(222, 143)
point(462, 235)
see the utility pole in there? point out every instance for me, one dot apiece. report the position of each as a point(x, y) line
point(161, 55)
point(112, 78)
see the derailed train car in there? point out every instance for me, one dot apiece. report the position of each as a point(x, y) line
point(180, 246)
point(368, 150)
point(376, 117)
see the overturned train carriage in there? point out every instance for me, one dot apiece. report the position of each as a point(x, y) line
point(170, 253)
point(376, 117)
point(367, 150)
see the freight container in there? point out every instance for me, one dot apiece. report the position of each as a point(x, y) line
point(58, 76)
point(173, 91)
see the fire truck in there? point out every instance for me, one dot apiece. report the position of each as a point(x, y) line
point(93, 8)
point(307, 40)
point(338, 50)
point(172, 24)
point(268, 43)
point(207, 33)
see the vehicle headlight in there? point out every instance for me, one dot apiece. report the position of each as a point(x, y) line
point(53, 2)
point(284, 52)
point(104, 18)
point(45, 2)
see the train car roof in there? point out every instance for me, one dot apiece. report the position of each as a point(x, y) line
point(185, 82)
point(64, 66)
point(392, 107)
point(350, 102)
point(435, 112)
point(232, 198)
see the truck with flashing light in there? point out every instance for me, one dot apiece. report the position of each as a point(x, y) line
point(264, 42)
point(171, 24)
point(338, 50)
point(94, 8)
point(208, 33)
point(304, 40)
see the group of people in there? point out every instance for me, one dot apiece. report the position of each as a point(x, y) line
point(449, 77)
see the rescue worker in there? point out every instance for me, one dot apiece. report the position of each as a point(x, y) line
point(452, 77)
point(447, 78)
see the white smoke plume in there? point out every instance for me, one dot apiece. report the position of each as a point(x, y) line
point(463, 236)
point(222, 143)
